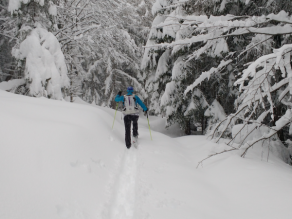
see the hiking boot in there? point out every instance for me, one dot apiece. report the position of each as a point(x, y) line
point(135, 141)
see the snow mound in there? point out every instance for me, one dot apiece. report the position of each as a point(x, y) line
point(12, 84)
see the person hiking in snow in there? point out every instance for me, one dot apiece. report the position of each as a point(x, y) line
point(131, 113)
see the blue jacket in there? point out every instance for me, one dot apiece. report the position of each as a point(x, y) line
point(138, 100)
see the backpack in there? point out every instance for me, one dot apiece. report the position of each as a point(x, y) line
point(130, 106)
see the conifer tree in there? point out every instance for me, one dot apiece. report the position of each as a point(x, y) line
point(6, 59)
point(93, 36)
point(40, 60)
point(214, 40)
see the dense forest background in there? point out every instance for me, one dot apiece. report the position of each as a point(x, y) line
point(101, 42)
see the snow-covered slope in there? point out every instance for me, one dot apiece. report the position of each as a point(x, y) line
point(62, 160)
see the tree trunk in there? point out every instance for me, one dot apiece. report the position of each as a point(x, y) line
point(71, 83)
point(202, 124)
point(188, 127)
point(277, 116)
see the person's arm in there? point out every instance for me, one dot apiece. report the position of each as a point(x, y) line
point(119, 97)
point(139, 101)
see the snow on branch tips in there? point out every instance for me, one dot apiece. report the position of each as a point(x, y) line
point(259, 99)
point(161, 5)
point(214, 27)
point(206, 75)
point(15, 5)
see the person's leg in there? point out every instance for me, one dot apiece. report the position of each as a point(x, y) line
point(127, 122)
point(135, 125)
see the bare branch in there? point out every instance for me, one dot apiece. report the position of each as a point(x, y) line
point(263, 138)
point(212, 155)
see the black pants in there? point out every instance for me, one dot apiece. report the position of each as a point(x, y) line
point(128, 119)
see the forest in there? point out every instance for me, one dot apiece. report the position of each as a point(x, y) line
point(221, 68)
point(212, 77)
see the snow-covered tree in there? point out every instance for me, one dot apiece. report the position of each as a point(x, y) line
point(101, 41)
point(265, 85)
point(214, 40)
point(156, 64)
point(6, 59)
point(40, 59)
point(122, 27)
point(75, 27)
point(45, 68)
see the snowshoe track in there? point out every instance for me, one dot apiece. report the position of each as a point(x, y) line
point(123, 200)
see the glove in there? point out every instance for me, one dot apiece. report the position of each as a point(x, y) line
point(145, 112)
point(120, 93)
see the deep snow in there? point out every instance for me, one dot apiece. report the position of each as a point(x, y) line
point(62, 160)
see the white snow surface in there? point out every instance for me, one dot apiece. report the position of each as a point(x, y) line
point(8, 85)
point(16, 4)
point(63, 160)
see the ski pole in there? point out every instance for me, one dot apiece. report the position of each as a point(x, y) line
point(115, 115)
point(149, 126)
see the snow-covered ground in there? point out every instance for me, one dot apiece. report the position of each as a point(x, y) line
point(62, 160)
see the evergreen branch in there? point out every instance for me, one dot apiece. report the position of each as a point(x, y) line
point(14, 38)
point(5, 8)
point(253, 46)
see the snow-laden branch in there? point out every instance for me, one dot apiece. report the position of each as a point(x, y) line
point(275, 30)
point(282, 122)
point(253, 46)
point(259, 87)
point(251, 70)
point(204, 21)
point(287, 29)
point(226, 24)
point(207, 74)
point(282, 16)
point(157, 6)
point(5, 8)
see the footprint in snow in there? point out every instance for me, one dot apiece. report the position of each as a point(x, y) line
point(63, 211)
point(85, 166)
point(168, 203)
point(161, 168)
point(157, 152)
point(111, 138)
point(74, 164)
point(99, 162)
point(69, 211)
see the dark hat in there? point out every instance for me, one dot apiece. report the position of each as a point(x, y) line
point(130, 89)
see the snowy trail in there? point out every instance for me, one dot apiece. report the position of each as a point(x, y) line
point(123, 200)
point(64, 165)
